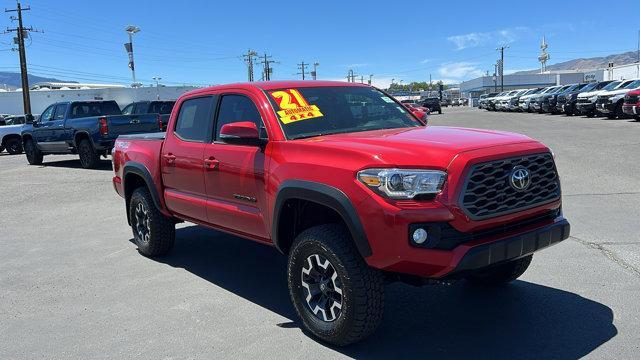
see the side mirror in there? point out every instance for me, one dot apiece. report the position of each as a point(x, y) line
point(242, 133)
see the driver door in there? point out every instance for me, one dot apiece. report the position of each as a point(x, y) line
point(235, 177)
point(42, 129)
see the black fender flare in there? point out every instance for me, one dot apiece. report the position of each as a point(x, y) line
point(324, 195)
point(132, 167)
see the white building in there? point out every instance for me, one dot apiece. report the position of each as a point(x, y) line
point(11, 101)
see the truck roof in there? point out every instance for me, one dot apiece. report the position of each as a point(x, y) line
point(273, 85)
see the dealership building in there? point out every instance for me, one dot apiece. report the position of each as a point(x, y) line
point(487, 84)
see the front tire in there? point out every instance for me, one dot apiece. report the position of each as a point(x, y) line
point(501, 274)
point(34, 155)
point(153, 232)
point(339, 298)
point(89, 157)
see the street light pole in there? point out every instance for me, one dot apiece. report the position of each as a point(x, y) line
point(131, 29)
point(157, 79)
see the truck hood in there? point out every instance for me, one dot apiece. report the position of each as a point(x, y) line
point(615, 92)
point(435, 146)
point(589, 94)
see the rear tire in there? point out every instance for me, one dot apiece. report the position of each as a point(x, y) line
point(501, 274)
point(153, 232)
point(89, 157)
point(339, 298)
point(34, 155)
point(14, 147)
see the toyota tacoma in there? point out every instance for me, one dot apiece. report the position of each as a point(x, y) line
point(354, 189)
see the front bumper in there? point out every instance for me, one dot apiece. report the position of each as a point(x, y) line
point(631, 109)
point(585, 108)
point(605, 107)
point(512, 247)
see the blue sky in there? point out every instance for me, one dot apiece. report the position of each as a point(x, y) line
point(201, 42)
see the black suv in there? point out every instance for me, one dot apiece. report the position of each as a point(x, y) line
point(433, 104)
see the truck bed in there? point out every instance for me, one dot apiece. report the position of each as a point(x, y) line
point(144, 136)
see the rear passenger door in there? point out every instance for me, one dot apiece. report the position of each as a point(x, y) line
point(235, 182)
point(182, 158)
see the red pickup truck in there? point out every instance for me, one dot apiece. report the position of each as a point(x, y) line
point(347, 183)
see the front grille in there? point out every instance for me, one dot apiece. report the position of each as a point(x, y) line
point(631, 99)
point(583, 101)
point(488, 191)
point(603, 99)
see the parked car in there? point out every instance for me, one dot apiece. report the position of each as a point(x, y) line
point(568, 103)
point(548, 101)
point(535, 103)
point(491, 102)
point(511, 102)
point(445, 102)
point(354, 193)
point(556, 100)
point(162, 108)
point(631, 105)
point(484, 98)
point(433, 104)
point(10, 134)
point(500, 102)
point(586, 103)
point(525, 100)
point(86, 128)
point(610, 102)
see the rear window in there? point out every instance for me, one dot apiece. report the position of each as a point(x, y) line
point(87, 109)
point(163, 107)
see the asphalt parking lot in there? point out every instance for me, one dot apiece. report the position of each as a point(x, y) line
point(72, 284)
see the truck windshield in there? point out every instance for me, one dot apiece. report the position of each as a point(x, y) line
point(88, 109)
point(611, 86)
point(314, 111)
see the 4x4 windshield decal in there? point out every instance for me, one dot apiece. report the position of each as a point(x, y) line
point(293, 106)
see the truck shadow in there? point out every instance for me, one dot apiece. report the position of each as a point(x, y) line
point(75, 164)
point(520, 320)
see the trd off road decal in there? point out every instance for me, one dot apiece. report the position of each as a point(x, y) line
point(293, 106)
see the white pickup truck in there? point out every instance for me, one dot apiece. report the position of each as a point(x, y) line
point(610, 102)
point(10, 134)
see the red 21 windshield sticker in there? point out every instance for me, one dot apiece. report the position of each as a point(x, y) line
point(293, 106)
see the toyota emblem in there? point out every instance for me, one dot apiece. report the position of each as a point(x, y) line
point(520, 178)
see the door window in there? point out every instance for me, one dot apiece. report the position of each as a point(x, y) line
point(195, 119)
point(234, 108)
point(128, 110)
point(61, 110)
point(47, 114)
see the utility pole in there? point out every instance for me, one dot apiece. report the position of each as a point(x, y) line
point(314, 73)
point(301, 66)
point(267, 69)
point(370, 78)
point(248, 58)
point(351, 76)
point(129, 47)
point(501, 49)
point(21, 32)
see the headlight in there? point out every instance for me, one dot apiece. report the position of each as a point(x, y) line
point(403, 183)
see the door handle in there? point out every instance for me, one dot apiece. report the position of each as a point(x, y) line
point(211, 163)
point(170, 158)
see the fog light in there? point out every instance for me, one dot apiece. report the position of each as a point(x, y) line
point(419, 236)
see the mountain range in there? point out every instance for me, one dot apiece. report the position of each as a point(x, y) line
point(590, 63)
point(12, 80)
